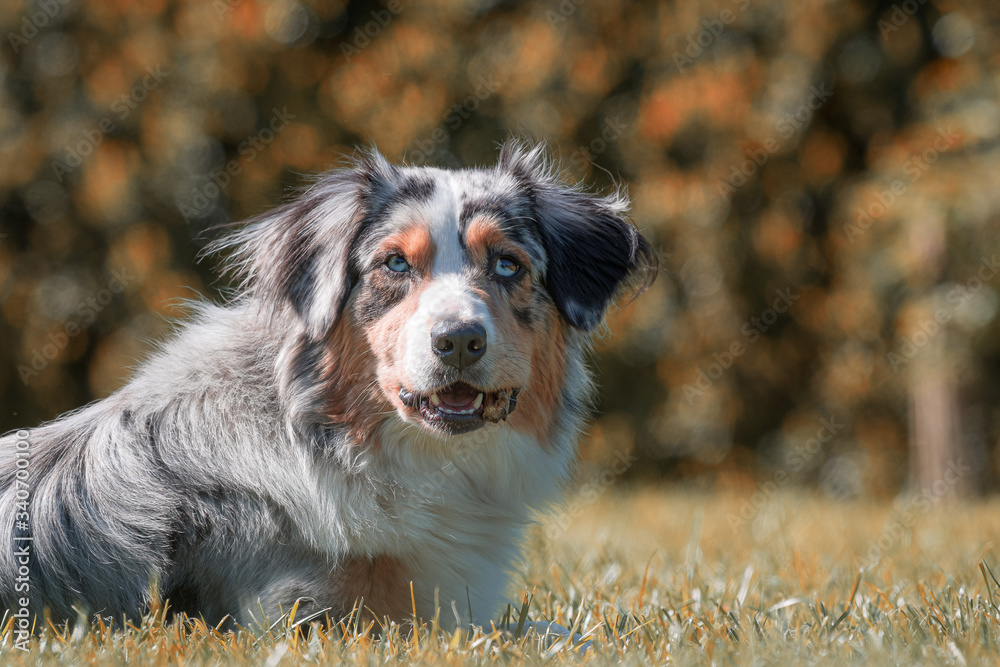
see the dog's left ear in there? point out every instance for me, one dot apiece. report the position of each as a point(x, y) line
point(299, 254)
point(594, 255)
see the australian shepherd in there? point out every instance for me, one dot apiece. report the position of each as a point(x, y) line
point(395, 390)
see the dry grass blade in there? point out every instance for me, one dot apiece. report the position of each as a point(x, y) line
point(522, 615)
point(648, 610)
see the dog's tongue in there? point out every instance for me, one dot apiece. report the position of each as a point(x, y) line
point(458, 396)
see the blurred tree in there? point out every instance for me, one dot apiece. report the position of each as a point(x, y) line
point(818, 176)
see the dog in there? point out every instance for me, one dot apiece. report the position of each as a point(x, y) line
point(391, 395)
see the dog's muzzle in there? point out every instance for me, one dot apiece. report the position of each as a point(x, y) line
point(461, 408)
point(458, 344)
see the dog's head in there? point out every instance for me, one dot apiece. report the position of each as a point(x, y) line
point(451, 296)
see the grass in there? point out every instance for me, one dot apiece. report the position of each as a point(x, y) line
point(659, 577)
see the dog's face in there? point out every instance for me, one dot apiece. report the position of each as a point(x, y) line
point(451, 300)
point(449, 295)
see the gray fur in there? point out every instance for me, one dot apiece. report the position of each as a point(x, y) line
point(214, 472)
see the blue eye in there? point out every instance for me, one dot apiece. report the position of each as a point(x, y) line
point(506, 267)
point(398, 264)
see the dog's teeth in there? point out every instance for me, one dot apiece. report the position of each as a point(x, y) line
point(449, 411)
point(435, 400)
point(479, 401)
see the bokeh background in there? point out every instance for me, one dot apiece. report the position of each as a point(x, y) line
point(820, 178)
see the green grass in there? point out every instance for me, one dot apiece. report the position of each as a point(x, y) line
point(660, 577)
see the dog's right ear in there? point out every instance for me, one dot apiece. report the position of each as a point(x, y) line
point(300, 253)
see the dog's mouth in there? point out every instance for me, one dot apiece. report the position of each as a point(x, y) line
point(460, 407)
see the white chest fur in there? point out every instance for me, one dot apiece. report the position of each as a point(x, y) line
point(452, 510)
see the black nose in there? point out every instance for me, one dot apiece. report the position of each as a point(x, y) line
point(459, 344)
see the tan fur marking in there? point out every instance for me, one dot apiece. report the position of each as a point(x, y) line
point(349, 375)
point(485, 235)
point(414, 243)
point(482, 235)
point(541, 381)
point(383, 583)
point(387, 338)
point(538, 403)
